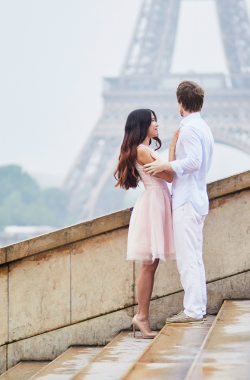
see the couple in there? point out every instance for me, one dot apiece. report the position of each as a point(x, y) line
point(160, 228)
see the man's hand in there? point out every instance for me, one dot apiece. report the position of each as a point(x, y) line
point(157, 166)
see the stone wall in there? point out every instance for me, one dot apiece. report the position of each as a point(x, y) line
point(74, 286)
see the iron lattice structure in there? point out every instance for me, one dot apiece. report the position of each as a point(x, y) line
point(146, 82)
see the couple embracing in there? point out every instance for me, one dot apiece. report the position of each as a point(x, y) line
point(161, 227)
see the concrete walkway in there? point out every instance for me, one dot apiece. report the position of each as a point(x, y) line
point(67, 364)
point(171, 353)
point(225, 353)
point(24, 370)
point(114, 360)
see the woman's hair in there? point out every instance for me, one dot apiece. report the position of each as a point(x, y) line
point(136, 130)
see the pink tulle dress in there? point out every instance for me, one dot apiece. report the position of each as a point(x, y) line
point(150, 233)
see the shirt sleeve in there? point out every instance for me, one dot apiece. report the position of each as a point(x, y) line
point(192, 146)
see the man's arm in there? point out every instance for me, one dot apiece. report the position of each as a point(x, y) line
point(144, 157)
point(158, 166)
point(193, 149)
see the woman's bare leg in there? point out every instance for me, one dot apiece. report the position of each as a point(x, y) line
point(145, 288)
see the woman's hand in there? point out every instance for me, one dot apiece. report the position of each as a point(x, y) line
point(174, 139)
point(171, 156)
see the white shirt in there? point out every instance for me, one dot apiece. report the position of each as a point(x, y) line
point(193, 152)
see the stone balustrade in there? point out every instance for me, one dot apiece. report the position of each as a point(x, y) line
point(74, 286)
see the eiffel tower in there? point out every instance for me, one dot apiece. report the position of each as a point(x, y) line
point(146, 82)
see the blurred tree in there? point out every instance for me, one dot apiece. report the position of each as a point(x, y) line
point(12, 178)
point(23, 203)
point(57, 200)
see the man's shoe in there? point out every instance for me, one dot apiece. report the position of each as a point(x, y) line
point(183, 318)
point(205, 317)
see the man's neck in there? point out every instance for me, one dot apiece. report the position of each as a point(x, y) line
point(186, 113)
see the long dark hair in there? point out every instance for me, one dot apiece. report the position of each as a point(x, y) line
point(136, 130)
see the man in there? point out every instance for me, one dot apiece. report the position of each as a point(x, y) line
point(190, 203)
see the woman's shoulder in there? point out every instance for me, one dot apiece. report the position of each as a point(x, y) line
point(144, 148)
point(144, 155)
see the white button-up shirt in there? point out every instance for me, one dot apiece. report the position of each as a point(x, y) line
point(193, 152)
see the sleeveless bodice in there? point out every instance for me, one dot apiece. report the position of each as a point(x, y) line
point(149, 181)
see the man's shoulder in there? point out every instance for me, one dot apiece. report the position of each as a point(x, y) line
point(196, 125)
point(196, 122)
point(194, 131)
point(190, 129)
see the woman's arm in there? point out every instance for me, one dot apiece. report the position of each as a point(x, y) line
point(171, 156)
point(144, 157)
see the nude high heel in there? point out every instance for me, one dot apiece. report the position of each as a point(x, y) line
point(143, 329)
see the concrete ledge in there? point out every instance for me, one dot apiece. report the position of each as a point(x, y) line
point(48, 301)
point(229, 185)
point(105, 223)
point(54, 289)
point(3, 359)
point(65, 236)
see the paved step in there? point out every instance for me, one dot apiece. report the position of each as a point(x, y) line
point(67, 364)
point(171, 353)
point(23, 370)
point(115, 358)
point(225, 353)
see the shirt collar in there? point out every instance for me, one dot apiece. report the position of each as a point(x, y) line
point(193, 115)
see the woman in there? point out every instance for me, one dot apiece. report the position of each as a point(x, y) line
point(150, 236)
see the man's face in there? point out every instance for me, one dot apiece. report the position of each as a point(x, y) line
point(181, 109)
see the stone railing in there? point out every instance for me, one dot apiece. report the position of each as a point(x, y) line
point(74, 285)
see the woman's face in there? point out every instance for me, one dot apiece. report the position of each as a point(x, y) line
point(153, 128)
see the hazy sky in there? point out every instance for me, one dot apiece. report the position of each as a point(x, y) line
point(54, 54)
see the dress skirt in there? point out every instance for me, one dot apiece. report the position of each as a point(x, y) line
point(150, 233)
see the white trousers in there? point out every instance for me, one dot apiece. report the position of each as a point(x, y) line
point(188, 237)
